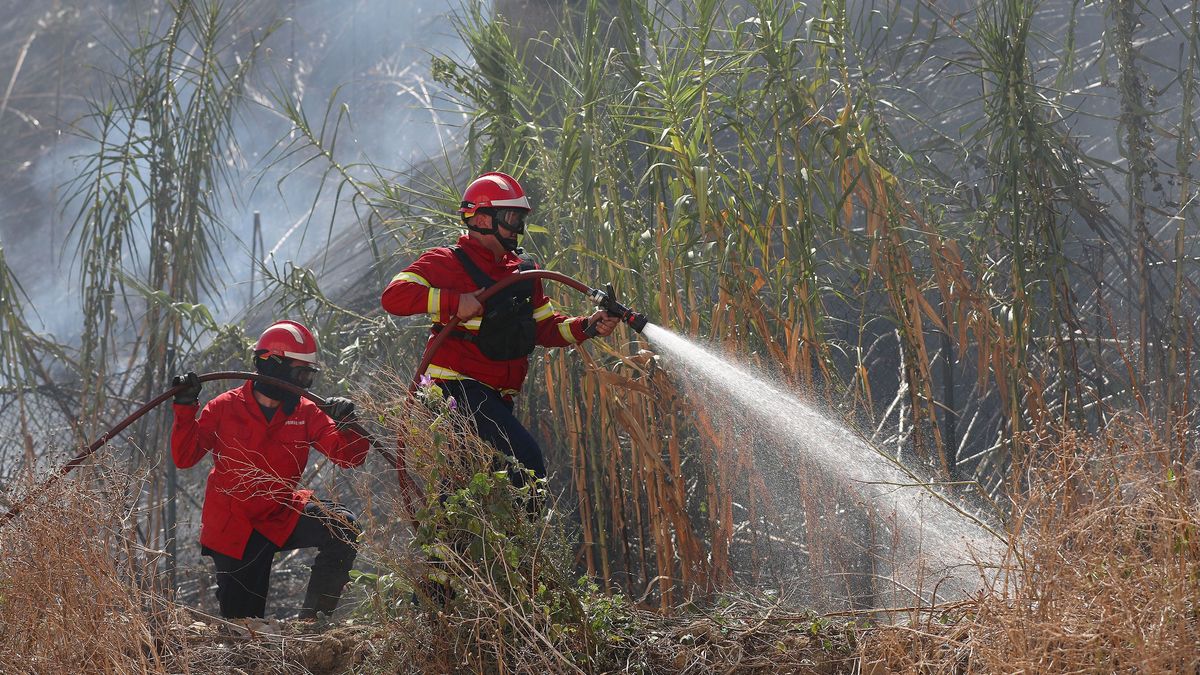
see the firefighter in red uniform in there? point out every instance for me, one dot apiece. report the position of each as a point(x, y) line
point(259, 436)
point(486, 360)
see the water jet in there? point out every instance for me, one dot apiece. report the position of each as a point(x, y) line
point(931, 546)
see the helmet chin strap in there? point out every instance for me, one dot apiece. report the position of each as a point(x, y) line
point(509, 245)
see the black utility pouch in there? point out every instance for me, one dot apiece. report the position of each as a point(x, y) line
point(507, 330)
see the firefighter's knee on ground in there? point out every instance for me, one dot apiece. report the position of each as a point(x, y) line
point(346, 528)
point(342, 524)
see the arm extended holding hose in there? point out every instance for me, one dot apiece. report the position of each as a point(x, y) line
point(605, 299)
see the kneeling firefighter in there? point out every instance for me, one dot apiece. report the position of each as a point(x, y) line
point(259, 436)
point(486, 360)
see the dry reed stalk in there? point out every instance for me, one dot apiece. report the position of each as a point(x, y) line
point(648, 475)
point(574, 437)
point(890, 261)
point(702, 570)
point(971, 314)
point(603, 447)
point(616, 490)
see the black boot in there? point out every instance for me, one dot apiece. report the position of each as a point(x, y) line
point(332, 530)
point(330, 572)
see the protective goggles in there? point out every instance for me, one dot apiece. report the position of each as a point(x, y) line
point(302, 375)
point(513, 220)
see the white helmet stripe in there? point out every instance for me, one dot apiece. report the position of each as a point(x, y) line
point(499, 181)
point(307, 357)
point(291, 329)
point(520, 202)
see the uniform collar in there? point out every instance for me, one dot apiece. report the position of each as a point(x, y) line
point(482, 256)
point(252, 403)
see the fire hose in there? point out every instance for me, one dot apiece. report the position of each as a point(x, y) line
point(605, 299)
point(410, 493)
point(154, 403)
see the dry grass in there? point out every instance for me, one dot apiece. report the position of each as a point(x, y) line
point(1103, 579)
point(68, 596)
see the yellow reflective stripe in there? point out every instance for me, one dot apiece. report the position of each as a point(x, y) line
point(414, 278)
point(440, 373)
point(434, 304)
point(544, 312)
point(564, 329)
point(473, 324)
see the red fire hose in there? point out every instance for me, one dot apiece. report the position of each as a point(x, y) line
point(150, 405)
point(483, 296)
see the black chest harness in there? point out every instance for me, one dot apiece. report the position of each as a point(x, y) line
point(507, 330)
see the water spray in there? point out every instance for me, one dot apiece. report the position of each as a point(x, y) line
point(932, 536)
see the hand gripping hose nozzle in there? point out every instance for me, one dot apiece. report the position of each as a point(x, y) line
point(607, 300)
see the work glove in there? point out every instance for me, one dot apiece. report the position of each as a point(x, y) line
point(341, 409)
point(190, 394)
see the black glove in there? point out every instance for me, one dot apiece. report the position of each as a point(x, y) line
point(341, 409)
point(190, 394)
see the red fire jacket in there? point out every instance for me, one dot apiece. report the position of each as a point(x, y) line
point(256, 464)
point(432, 284)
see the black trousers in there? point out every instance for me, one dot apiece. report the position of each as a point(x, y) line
point(496, 424)
point(242, 585)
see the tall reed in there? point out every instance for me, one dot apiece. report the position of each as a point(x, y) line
point(147, 222)
point(737, 168)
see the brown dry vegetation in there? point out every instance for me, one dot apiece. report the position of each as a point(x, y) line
point(68, 599)
point(1101, 577)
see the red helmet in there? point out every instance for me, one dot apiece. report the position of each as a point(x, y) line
point(289, 340)
point(493, 190)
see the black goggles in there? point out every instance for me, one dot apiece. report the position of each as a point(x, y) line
point(302, 375)
point(513, 220)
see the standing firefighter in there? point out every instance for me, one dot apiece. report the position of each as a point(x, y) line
point(487, 358)
point(259, 436)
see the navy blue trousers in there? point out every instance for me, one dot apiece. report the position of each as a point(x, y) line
point(242, 585)
point(496, 424)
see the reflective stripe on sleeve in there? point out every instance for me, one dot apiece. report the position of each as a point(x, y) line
point(544, 312)
point(434, 304)
point(564, 329)
point(414, 278)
